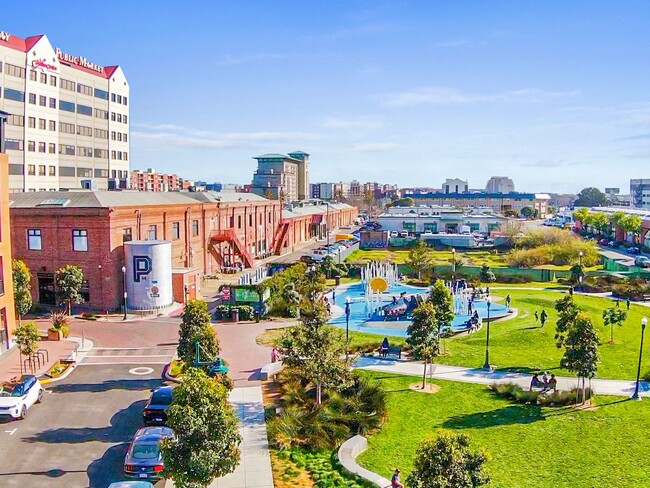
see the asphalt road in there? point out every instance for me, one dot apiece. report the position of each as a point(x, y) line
point(79, 435)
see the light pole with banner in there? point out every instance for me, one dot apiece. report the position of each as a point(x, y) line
point(124, 288)
point(347, 326)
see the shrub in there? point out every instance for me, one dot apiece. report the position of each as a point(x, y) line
point(245, 312)
point(514, 392)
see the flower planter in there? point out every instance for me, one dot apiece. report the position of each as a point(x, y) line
point(54, 335)
point(59, 368)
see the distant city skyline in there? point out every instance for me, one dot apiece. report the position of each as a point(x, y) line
point(406, 92)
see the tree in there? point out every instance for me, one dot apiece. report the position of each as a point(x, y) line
point(69, 281)
point(22, 278)
point(443, 301)
point(527, 212)
point(486, 275)
point(26, 337)
point(268, 194)
point(419, 257)
point(614, 316)
point(577, 270)
point(590, 197)
point(404, 202)
point(631, 224)
point(598, 220)
point(423, 335)
point(512, 230)
point(581, 349)
point(581, 214)
point(369, 199)
point(206, 439)
point(567, 311)
point(195, 329)
point(448, 462)
point(315, 352)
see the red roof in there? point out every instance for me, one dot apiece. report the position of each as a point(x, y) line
point(30, 42)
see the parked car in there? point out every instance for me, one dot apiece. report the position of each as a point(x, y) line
point(634, 250)
point(155, 411)
point(393, 233)
point(404, 233)
point(642, 262)
point(131, 484)
point(16, 398)
point(603, 242)
point(613, 244)
point(143, 459)
point(307, 259)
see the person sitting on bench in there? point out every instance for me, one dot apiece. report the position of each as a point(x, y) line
point(535, 382)
point(552, 383)
point(385, 347)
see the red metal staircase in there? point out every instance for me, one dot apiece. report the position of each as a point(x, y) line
point(229, 235)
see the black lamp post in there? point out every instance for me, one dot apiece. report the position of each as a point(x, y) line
point(347, 326)
point(635, 396)
point(453, 266)
point(487, 339)
point(124, 288)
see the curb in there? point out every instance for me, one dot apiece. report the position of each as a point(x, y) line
point(347, 455)
point(44, 379)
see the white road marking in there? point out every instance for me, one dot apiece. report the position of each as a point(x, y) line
point(130, 348)
point(130, 356)
point(141, 371)
point(114, 363)
point(11, 432)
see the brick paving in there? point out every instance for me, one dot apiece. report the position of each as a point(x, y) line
point(10, 363)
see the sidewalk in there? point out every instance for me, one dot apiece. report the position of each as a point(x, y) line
point(254, 470)
point(483, 377)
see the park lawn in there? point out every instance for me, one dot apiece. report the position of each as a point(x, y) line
point(522, 344)
point(530, 446)
point(400, 256)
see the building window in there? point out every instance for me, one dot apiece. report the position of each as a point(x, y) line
point(41, 170)
point(67, 85)
point(126, 156)
point(31, 146)
point(113, 135)
point(52, 80)
point(44, 78)
point(32, 98)
point(34, 241)
point(14, 70)
point(66, 128)
point(51, 148)
point(52, 102)
point(195, 228)
point(67, 150)
point(125, 138)
point(14, 144)
point(84, 110)
point(85, 152)
point(239, 221)
point(31, 122)
point(42, 123)
point(124, 98)
point(127, 236)
point(101, 114)
point(84, 89)
point(119, 99)
point(53, 125)
point(17, 120)
point(52, 171)
point(101, 153)
point(113, 97)
point(176, 230)
point(41, 147)
point(16, 95)
point(66, 106)
point(79, 240)
point(84, 172)
point(152, 234)
point(82, 130)
point(103, 94)
point(42, 100)
point(32, 75)
point(31, 170)
point(113, 154)
point(125, 121)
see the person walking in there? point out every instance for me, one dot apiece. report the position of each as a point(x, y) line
point(543, 317)
point(394, 481)
point(508, 303)
point(627, 303)
point(618, 303)
point(536, 316)
point(274, 355)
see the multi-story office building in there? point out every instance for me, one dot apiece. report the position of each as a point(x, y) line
point(455, 186)
point(640, 191)
point(149, 180)
point(69, 117)
point(282, 176)
point(500, 184)
point(7, 318)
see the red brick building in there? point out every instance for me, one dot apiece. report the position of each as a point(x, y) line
point(149, 180)
point(209, 231)
point(7, 309)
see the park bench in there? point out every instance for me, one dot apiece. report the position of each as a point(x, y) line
point(268, 371)
point(392, 351)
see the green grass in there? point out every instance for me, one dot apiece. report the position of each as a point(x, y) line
point(529, 446)
point(524, 345)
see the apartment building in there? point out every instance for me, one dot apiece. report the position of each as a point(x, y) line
point(68, 123)
point(282, 176)
point(150, 180)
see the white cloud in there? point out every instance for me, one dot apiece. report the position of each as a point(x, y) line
point(373, 147)
point(443, 95)
point(180, 136)
point(364, 122)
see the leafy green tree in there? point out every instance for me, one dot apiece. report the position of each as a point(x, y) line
point(631, 224)
point(195, 329)
point(26, 337)
point(599, 220)
point(527, 212)
point(567, 311)
point(614, 316)
point(577, 270)
point(590, 197)
point(404, 202)
point(268, 194)
point(581, 349)
point(486, 275)
point(443, 301)
point(581, 214)
point(69, 281)
point(22, 278)
point(206, 438)
point(423, 335)
point(419, 258)
point(314, 352)
point(448, 462)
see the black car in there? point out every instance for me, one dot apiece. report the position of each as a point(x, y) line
point(143, 459)
point(155, 411)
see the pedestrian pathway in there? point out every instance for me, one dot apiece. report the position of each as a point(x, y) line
point(484, 377)
point(254, 470)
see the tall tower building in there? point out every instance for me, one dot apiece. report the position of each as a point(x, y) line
point(68, 123)
point(282, 176)
point(500, 184)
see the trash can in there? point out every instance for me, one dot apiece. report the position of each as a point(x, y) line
point(256, 314)
point(234, 315)
point(337, 280)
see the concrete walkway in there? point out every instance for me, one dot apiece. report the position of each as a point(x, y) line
point(254, 470)
point(483, 377)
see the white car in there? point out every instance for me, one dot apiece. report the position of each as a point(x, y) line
point(17, 398)
point(393, 233)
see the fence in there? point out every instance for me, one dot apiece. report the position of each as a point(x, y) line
point(533, 274)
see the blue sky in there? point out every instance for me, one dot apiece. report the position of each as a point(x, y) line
point(554, 95)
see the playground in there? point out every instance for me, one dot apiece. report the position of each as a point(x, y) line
point(379, 304)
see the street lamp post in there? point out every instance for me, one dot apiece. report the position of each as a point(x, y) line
point(347, 326)
point(580, 280)
point(487, 339)
point(453, 266)
point(124, 288)
point(635, 396)
point(580, 254)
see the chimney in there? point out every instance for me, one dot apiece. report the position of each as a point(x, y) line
point(3, 120)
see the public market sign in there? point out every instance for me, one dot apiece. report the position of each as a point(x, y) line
point(78, 60)
point(4, 36)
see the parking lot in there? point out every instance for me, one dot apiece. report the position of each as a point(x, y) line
point(79, 435)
